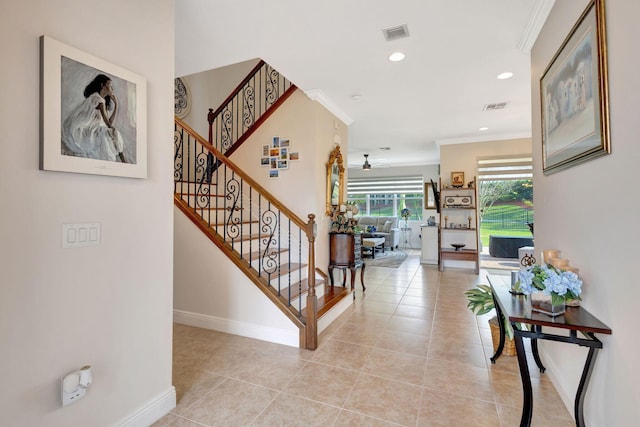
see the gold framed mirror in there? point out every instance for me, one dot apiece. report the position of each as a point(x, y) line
point(335, 180)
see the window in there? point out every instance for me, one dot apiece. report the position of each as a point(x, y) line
point(387, 196)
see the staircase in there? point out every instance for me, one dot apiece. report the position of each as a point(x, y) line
point(268, 242)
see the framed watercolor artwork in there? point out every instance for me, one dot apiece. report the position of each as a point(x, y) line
point(574, 96)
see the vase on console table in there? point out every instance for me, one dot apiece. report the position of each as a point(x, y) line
point(542, 303)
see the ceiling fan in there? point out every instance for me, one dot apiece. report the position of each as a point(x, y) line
point(373, 164)
point(366, 166)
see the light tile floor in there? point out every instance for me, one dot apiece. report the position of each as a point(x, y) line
point(408, 353)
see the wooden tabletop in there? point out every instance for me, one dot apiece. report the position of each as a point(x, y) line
point(517, 310)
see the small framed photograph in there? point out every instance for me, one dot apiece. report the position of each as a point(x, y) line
point(294, 155)
point(273, 162)
point(457, 179)
point(274, 152)
point(276, 141)
point(93, 114)
point(265, 161)
point(284, 142)
point(283, 164)
point(265, 151)
point(273, 173)
point(284, 153)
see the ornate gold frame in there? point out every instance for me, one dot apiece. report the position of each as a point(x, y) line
point(573, 144)
point(335, 176)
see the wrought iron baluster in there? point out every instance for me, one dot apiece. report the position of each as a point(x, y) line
point(248, 118)
point(268, 224)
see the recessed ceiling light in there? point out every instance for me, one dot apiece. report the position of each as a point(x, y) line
point(396, 56)
point(356, 98)
point(385, 148)
point(506, 75)
point(484, 128)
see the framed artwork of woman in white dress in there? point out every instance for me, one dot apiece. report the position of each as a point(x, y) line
point(93, 114)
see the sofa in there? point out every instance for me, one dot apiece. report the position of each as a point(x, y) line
point(386, 226)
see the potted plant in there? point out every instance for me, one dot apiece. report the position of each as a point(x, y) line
point(480, 301)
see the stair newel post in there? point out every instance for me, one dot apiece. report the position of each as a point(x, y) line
point(210, 166)
point(312, 302)
point(210, 118)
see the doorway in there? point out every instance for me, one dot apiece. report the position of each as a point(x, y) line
point(505, 206)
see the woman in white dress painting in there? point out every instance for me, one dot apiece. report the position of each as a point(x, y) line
point(88, 131)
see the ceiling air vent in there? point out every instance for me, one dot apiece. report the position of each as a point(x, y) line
point(396, 32)
point(498, 106)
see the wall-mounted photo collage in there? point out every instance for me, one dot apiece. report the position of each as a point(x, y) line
point(278, 155)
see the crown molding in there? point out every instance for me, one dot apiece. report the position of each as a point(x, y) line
point(318, 95)
point(483, 138)
point(537, 19)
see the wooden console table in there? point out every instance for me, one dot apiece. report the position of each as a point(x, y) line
point(575, 319)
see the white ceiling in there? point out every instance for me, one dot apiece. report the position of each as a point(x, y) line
point(335, 49)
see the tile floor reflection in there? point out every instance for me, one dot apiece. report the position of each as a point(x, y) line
point(408, 353)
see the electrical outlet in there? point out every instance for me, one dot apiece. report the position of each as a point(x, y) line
point(74, 386)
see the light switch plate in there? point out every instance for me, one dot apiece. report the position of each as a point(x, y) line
point(81, 235)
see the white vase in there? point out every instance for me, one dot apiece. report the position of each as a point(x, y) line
point(542, 303)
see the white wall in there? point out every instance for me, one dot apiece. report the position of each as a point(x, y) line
point(110, 305)
point(580, 211)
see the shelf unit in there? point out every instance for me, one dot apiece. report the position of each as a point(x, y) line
point(459, 224)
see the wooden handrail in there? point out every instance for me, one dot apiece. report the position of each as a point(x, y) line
point(258, 122)
point(238, 88)
point(223, 159)
point(234, 132)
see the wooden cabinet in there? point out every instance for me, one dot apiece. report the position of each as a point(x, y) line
point(345, 252)
point(459, 225)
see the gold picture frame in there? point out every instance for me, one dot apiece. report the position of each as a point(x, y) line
point(574, 95)
point(457, 179)
point(429, 196)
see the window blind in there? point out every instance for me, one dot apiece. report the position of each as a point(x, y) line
point(505, 168)
point(386, 185)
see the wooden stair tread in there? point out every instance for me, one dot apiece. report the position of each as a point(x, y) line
point(256, 254)
point(332, 296)
point(298, 288)
point(191, 193)
point(248, 221)
point(285, 268)
point(218, 208)
point(246, 237)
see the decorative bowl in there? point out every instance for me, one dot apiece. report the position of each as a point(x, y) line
point(458, 246)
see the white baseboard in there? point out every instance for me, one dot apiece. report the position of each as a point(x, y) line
point(250, 330)
point(152, 411)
